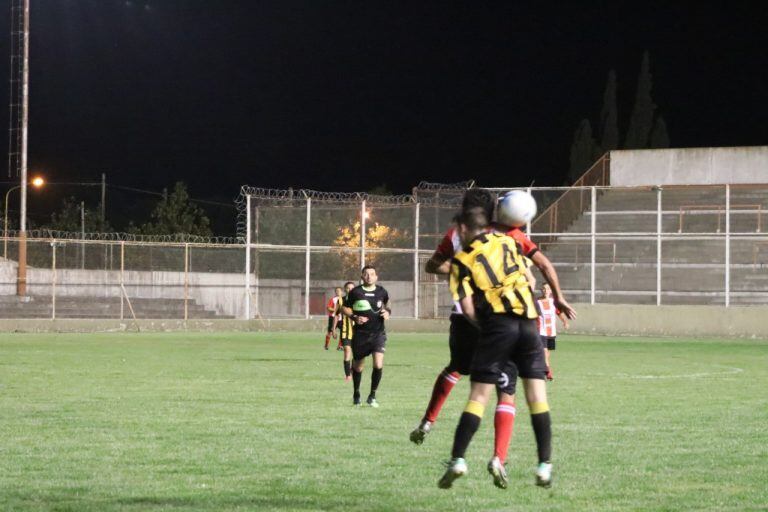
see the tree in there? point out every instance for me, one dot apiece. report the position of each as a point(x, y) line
point(609, 116)
point(68, 218)
point(641, 121)
point(176, 214)
point(659, 135)
point(583, 150)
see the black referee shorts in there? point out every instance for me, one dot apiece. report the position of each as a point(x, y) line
point(506, 339)
point(364, 344)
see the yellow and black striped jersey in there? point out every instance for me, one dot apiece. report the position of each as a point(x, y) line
point(492, 269)
point(346, 322)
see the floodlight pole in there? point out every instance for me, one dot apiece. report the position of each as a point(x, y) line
point(21, 283)
point(362, 234)
point(727, 245)
point(592, 239)
point(659, 226)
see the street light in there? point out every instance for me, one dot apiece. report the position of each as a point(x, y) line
point(36, 182)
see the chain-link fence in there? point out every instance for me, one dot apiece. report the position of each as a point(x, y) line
point(651, 245)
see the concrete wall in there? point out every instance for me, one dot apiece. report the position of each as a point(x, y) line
point(601, 319)
point(691, 166)
point(223, 293)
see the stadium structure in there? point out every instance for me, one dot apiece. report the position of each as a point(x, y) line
point(651, 228)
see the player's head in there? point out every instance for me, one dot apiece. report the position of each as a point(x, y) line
point(546, 290)
point(339, 292)
point(348, 286)
point(368, 275)
point(479, 198)
point(472, 222)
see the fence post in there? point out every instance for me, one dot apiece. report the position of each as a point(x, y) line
point(186, 282)
point(593, 222)
point(307, 258)
point(416, 261)
point(122, 279)
point(362, 234)
point(247, 313)
point(658, 245)
point(53, 281)
point(727, 245)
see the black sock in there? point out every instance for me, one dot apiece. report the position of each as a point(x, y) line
point(347, 368)
point(356, 378)
point(375, 379)
point(468, 425)
point(542, 429)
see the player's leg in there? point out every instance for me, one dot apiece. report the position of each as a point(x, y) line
point(340, 345)
point(377, 357)
point(469, 422)
point(347, 360)
point(532, 368)
point(461, 342)
point(548, 354)
point(328, 332)
point(503, 424)
point(360, 351)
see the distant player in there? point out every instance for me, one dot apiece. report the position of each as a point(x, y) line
point(368, 306)
point(548, 314)
point(345, 331)
point(332, 309)
point(488, 279)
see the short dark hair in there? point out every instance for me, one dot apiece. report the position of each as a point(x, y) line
point(479, 198)
point(367, 267)
point(348, 283)
point(474, 218)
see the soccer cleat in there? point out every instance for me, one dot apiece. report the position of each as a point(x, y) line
point(544, 474)
point(420, 432)
point(372, 402)
point(456, 469)
point(356, 400)
point(339, 348)
point(498, 472)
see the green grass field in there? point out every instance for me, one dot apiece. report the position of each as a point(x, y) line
point(265, 422)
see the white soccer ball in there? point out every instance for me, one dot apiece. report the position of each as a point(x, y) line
point(516, 208)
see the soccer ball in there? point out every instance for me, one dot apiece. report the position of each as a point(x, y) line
point(516, 208)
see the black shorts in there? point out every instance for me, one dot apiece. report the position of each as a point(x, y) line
point(548, 342)
point(364, 344)
point(462, 341)
point(330, 324)
point(506, 339)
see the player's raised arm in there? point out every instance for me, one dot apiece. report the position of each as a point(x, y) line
point(440, 262)
point(550, 274)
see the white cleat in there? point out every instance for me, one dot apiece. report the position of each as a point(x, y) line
point(456, 469)
point(498, 472)
point(544, 474)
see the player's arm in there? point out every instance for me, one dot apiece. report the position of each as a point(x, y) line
point(531, 279)
point(563, 319)
point(550, 274)
point(386, 310)
point(440, 262)
point(336, 317)
point(461, 289)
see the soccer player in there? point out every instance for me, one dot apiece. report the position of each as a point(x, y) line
point(332, 308)
point(346, 330)
point(548, 313)
point(368, 306)
point(488, 280)
point(462, 339)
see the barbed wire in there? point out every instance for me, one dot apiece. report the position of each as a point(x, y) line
point(460, 185)
point(52, 234)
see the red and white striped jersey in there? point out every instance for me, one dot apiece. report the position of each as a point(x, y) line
point(332, 306)
point(547, 318)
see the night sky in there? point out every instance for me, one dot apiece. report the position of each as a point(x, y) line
point(349, 95)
